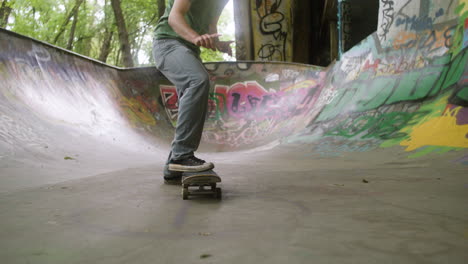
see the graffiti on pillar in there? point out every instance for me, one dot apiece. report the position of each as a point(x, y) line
point(272, 30)
point(345, 17)
point(414, 17)
point(386, 14)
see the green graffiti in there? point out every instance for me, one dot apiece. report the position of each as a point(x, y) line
point(456, 70)
point(457, 45)
point(351, 129)
point(427, 110)
point(388, 126)
point(463, 94)
point(366, 93)
point(218, 99)
point(460, 68)
point(384, 126)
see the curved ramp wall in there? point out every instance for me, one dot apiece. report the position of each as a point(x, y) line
point(404, 85)
point(250, 104)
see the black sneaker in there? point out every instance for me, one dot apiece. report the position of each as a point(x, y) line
point(190, 164)
point(172, 177)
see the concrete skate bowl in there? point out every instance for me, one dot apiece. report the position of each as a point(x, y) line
point(403, 93)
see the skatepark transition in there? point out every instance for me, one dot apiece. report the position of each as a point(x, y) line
point(363, 161)
point(405, 86)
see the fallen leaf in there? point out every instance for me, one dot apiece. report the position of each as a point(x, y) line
point(203, 256)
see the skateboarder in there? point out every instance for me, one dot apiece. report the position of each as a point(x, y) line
point(186, 26)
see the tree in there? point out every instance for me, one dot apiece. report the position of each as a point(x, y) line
point(67, 20)
point(5, 11)
point(106, 45)
point(161, 8)
point(90, 27)
point(127, 59)
point(75, 21)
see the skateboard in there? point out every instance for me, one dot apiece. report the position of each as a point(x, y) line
point(200, 183)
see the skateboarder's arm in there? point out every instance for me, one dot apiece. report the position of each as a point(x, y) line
point(179, 24)
point(223, 46)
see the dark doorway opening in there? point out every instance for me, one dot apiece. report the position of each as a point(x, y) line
point(316, 35)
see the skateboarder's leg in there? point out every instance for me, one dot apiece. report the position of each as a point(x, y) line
point(184, 69)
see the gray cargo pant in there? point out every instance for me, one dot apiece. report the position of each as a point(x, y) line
point(183, 68)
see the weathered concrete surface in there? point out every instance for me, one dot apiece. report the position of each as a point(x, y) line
point(300, 210)
point(361, 162)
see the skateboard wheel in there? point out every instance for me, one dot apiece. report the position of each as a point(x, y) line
point(218, 193)
point(185, 193)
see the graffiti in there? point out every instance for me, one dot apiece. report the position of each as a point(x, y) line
point(392, 65)
point(374, 125)
point(41, 69)
point(351, 64)
point(366, 92)
point(382, 123)
point(271, 51)
point(273, 27)
point(327, 97)
point(274, 77)
point(137, 111)
point(391, 90)
point(419, 23)
point(345, 29)
point(246, 112)
point(414, 16)
point(235, 134)
point(170, 101)
point(461, 114)
point(465, 35)
point(461, 36)
point(387, 16)
point(40, 53)
point(434, 131)
point(290, 74)
point(428, 40)
point(250, 100)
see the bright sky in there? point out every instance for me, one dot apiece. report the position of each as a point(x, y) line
point(230, 11)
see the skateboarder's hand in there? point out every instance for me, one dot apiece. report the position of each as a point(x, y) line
point(207, 41)
point(224, 46)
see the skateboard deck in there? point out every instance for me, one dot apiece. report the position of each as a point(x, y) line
point(200, 183)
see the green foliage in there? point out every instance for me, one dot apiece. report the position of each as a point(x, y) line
point(51, 21)
point(208, 55)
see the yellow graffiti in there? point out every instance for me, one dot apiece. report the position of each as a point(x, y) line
point(464, 5)
point(301, 85)
point(137, 111)
point(439, 131)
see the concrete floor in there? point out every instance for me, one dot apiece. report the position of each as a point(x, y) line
point(305, 209)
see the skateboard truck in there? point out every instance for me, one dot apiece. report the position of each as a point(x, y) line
point(201, 183)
